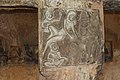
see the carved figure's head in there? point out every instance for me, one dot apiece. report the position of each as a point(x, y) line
point(71, 15)
point(49, 14)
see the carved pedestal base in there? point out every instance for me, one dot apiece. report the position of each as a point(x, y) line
point(82, 72)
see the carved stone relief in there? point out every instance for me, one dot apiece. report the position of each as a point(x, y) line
point(29, 2)
point(71, 37)
point(78, 4)
point(53, 3)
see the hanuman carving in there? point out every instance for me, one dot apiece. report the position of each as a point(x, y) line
point(71, 37)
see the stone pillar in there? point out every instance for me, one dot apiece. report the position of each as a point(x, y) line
point(71, 39)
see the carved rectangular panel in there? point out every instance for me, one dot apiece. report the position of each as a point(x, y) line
point(71, 37)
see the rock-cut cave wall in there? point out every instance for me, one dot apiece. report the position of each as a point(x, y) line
point(19, 27)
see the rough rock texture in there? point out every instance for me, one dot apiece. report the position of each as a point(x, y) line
point(111, 70)
point(19, 27)
point(82, 72)
point(19, 72)
point(112, 29)
point(112, 5)
point(29, 3)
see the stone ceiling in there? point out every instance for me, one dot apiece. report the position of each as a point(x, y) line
point(112, 5)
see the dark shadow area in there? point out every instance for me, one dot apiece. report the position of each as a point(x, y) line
point(19, 36)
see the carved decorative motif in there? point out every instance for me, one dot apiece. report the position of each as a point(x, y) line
point(53, 3)
point(71, 37)
point(67, 4)
point(78, 4)
point(29, 2)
